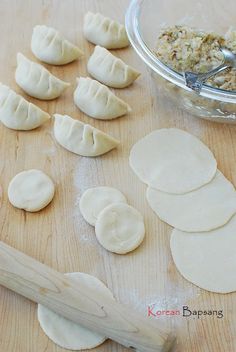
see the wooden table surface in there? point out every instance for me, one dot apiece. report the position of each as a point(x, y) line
point(58, 236)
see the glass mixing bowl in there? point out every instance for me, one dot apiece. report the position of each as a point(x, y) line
point(145, 18)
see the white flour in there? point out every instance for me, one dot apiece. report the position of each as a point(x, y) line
point(85, 176)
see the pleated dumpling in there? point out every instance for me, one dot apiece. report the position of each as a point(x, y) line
point(36, 81)
point(80, 138)
point(49, 46)
point(101, 30)
point(97, 100)
point(110, 70)
point(17, 113)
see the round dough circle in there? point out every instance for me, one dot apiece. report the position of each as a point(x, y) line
point(95, 199)
point(172, 161)
point(66, 333)
point(205, 209)
point(120, 228)
point(207, 259)
point(31, 190)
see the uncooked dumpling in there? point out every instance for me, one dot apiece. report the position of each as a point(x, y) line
point(80, 138)
point(172, 161)
point(17, 113)
point(96, 100)
point(207, 259)
point(95, 199)
point(204, 209)
point(31, 190)
point(101, 30)
point(66, 333)
point(110, 70)
point(36, 81)
point(120, 228)
point(49, 46)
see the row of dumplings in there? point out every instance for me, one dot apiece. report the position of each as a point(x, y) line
point(49, 46)
point(92, 97)
point(75, 136)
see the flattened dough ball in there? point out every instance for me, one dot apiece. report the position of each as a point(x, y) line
point(207, 259)
point(204, 209)
point(66, 333)
point(172, 161)
point(120, 228)
point(95, 199)
point(31, 190)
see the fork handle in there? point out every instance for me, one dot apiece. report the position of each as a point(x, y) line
point(196, 80)
point(205, 76)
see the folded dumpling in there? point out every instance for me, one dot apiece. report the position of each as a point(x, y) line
point(49, 46)
point(101, 30)
point(17, 113)
point(97, 100)
point(80, 138)
point(37, 81)
point(110, 70)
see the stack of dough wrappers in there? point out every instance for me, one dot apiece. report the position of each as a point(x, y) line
point(187, 191)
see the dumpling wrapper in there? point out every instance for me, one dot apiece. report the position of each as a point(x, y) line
point(95, 199)
point(80, 138)
point(110, 70)
point(173, 161)
point(49, 46)
point(17, 113)
point(37, 81)
point(207, 259)
point(204, 209)
point(66, 333)
point(101, 30)
point(98, 101)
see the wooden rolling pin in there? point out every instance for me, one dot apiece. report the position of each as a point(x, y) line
point(84, 306)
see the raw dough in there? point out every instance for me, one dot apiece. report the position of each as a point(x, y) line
point(66, 333)
point(17, 113)
point(110, 70)
point(49, 46)
point(103, 31)
point(98, 101)
point(172, 161)
point(36, 81)
point(81, 138)
point(95, 199)
point(120, 228)
point(207, 259)
point(204, 209)
point(31, 190)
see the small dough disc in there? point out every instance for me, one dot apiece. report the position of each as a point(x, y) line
point(95, 199)
point(66, 333)
point(205, 209)
point(120, 228)
point(207, 259)
point(31, 190)
point(172, 161)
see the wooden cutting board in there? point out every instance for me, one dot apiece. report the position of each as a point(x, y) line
point(58, 236)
